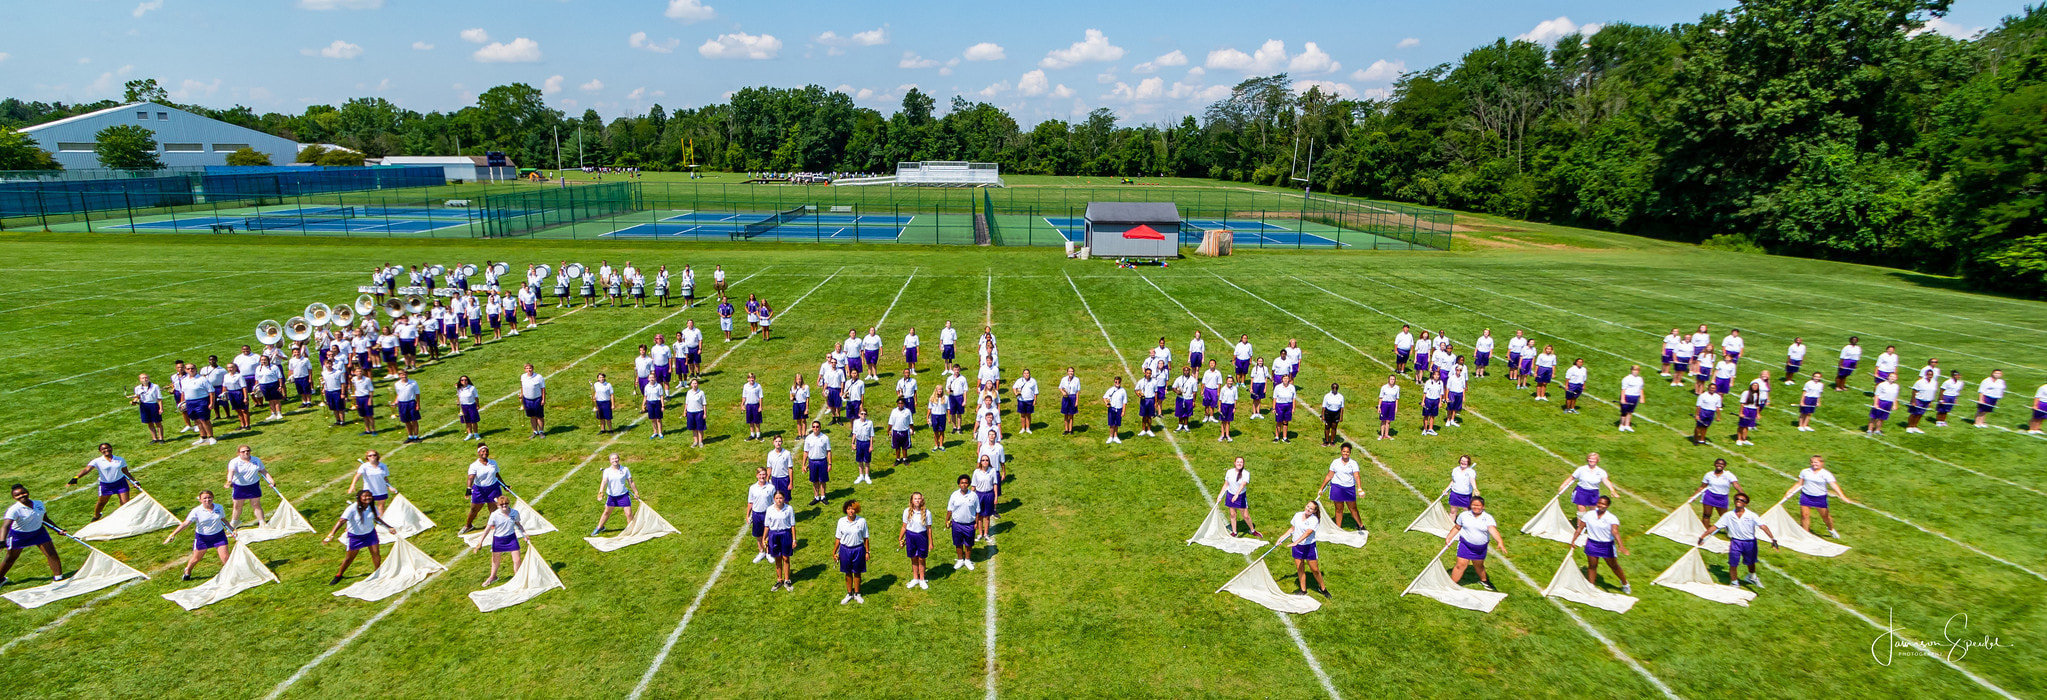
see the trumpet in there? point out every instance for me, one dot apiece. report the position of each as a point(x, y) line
point(394, 308)
point(269, 332)
point(415, 304)
point(318, 315)
point(344, 316)
point(298, 329)
point(365, 304)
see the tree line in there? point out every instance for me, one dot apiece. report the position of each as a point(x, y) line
point(1834, 129)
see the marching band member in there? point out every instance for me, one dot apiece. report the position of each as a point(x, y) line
point(505, 534)
point(1813, 484)
point(817, 464)
point(486, 491)
point(601, 394)
point(1426, 344)
point(1147, 404)
point(1211, 390)
point(851, 533)
point(1114, 400)
point(855, 393)
point(1751, 399)
point(405, 402)
point(1332, 415)
point(1472, 531)
point(1707, 407)
point(750, 395)
point(245, 478)
point(387, 347)
point(1741, 525)
point(862, 432)
point(1602, 533)
point(1589, 478)
point(300, 369)
point(407, 331)
point(695, 405)
point(1389, 402)
point(643, 369)
point(1403, 348)
point(718, 279)
point(335, 388)
point(1702, 377)
point(561, 285)
point(364, 392)
point(615, 489)
point(661, 287)
point(725, 318)
point(689, 287)
point(1950, 394)
point(147, 397)
point(529, 302)
point(1732, 346)
point(1723, 374)
point(1463, 485)
point(589, 288)
point(1482, 351)
point(1887, 364)
point(833, 380)
point(780, 522)
point(948, 337)
point(374, 476)
point(1453, 388)
point(767, 319)
point(1574, 384)
point(870, 351)
point(915, 539)
point(1883, 400)
point(26, 524)
point(910, 343)
point(1713, 492)
point(691, 349)
point(1851, 355)
point(1069, 400)
point(533, 394)
point(1677, 356)
point(638, 282)
point(1702, 344)
point(850, 350)
point(361, 517)
point(1809, 402)
point(660, 361)
point(1282, 405)
point(1517, 347)
point(956, 398)
point(233, 388)
point(209, 531)
point(1528, 360)
point(1631, 397)
point(753, 318)
point(1924, 390)
point(964, 507)
point(211, 374)
point(1987, 393)
point(1341, 483)
point(901, 421)
point(2039, 410)
point(759, 495)
point(114, 477)
point(1432, 403)
point(799, 402)
point(1026, 392)
point(1302, 529)
point(1794, 358)
point(1185, 387)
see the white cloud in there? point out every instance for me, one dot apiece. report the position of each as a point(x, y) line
point(995, 89)
point(689, 11)
point(520, 50)
point(257, 93)
point(858, 94)
point(1408, 43)
point(339, 49)
point(1196, 72)
point(1378, 94)
point(3, 56)
point(383, 85)
point(1549, 31)
point(1107, 76)
point(1380, 71)
point(1269, 56)
point(422, 46)
point(1061, 91)
point(984, 51)
point(637, 93)
point(146, 7)
point(192, 89)
point(1033, 84)
point(592, 86)
point(912, 60)
point(1940, 25)
point(1094, 47)
point(872, 37)
point(475, 36)
point(1188, 91)
point(1313, 60)
point(553, 84)
point(639, 40)
point(1147, 89)
point(1329, 87)
point(742, 45)
point(340, 4)
point(111, 80)
point(1176, 58)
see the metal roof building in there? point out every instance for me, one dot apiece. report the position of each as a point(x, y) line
point(463, 168)
point(182, 138)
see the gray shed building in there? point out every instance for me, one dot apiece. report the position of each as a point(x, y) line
point(183, 139)
point(1133, 229)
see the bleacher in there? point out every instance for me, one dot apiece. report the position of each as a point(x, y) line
point(948, 173)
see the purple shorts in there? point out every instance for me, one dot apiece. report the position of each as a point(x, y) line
point(1882, 375)
point(1808, 404)
point(916, 545)
point(1467, 550)
point(831, 398)
point(694, 421)
point(899, 439)
point(1733, 356)
point(1343, 494)
point(1257, 391)
point(364, 408)
point(333, 397)
point(1748, 417)
point(604, 409)
point(910, 356)
point(535, 408)
point(1069, 405)
point(1628, 404)
point(1386, 410)
point(244, 492)
point(1026, 406)
point(1236, 500)
point(660, 373)
point(1283, 412)
point(1722, 384)
point(937, 420)
point(1713, 500)
point(757, 522)
point(1584, 497)
point(356, 541)
point(1847, 368)
point(819, 471)
point(1669, 356)
point(1147, 408)
point(504, 543)
point(1482, 359)
point(1429, 407)
point(1819, 501)
point(1228, 412)
point(1183, 408)
point(962, 534)
point(853, 366)
point(781, 484)
point(623, 500)
point(863, 451)
point(1595, 549)
point(986, 502)
point(486, 494)
point(1194, 360)
point(1456, 402)
point(781, 543)
point(1243, 366)
point(109, 488)
point(1917, 407)
point(1572, 391)
point(202, 542)
point(1741, 552)
point(1210, 396)
point(17, 539)
point(1458, 500)
point(1544, 374)
point(1305, 552)
point(1882, 410)
point(1115, 419)
point(800, 411)
point(151, 413)
point(470, 414)
point(408, 411)
point(873, 357)
point(1401, 354)
point(753, 414)
point(1705, 418)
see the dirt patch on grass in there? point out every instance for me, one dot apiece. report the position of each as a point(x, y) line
point(1551, 246)
point(1491, 243)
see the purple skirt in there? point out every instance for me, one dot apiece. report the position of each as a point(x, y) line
point(916, 545)
point(1595, 549)
point(1386, 410)
point(202, 542)
point(356, 541)
point(1819, 501)
point(1343, 494)
point(109, 488)
point(1458, 500)
point(623, 500)
point(1236, 500)
point(1585, 497)
point(504, 543)
point(1467, 550)
point(1705, 418)
point(17, 539)
point(781, 543)
point(1713, 500)
point(852, 560)
point(486, 494)
point(243, 492)
point(910, 356)
point(1748, 417)
point(1882, 410)
point(1305, 552)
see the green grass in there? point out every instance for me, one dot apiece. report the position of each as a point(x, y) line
point(1095, 593)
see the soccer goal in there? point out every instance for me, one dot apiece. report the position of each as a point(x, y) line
point(948, 173)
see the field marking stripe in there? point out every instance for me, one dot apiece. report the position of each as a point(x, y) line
point(1611, 647)
point(1638, 497)
point(1971, 297)
point(1731, 453)
point(1292, 630)
point(123, 292)
point(1624, 358)
point(450, 565)
point(988, 616)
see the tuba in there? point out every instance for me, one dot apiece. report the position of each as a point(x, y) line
point(298, 329)
point(344, 316)
point(318, 315)
point(269, 332)
point(394, 308)
point(415, 304)
point(365, 304)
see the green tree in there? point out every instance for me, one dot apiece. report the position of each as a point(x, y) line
point(340, 157)
point(19, 151)
point(127, 147)
point(144, 90)
point(248, 156)
point(311, 154)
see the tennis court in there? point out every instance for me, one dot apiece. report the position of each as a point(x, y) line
point(1247, 232)
point(342, 220)
point(847, 227)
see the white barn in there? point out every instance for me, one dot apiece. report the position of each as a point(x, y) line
point(183, 139)
point(461, 168)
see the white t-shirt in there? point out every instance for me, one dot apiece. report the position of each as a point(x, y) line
point(899, 419)
point(1389, 392)
point(111, 469)
point(1795, 353)
point(1226, 395)
point(1343, 472)
point(1588, 476)
point(361, 521)
point(1925, 389)
point(1305, 526)
point(1463, 479)
point(1026, 389)
point(504, 522)
point(816, 445)
point(1476, 528)
point(531, 385)
point(1574, 375)
point(1631, 385)
point(1332, 401)
point(759, 496)
point(1599, 527)
point(1284, 394)
point(1235, 480)
point(916, 521)
point(1851, 352)
point(1887, 362)
point(1991, 388)
point(780, 462)
point(375, 477)
point(1483, 344)
point(1432, 389)
point(616, 480)
point(1242, 351)
point(1709, 401)
point(964, 506)
point(694, 401)
point(863, 430)
point(207, 521)
point(484, 471)
point(1740, 526)
point(1116, 397)
point(1952, 387)
point(779, 518)
point(1887, 391)
point(1814, 483)
point(1719, 484)
point(245, 472)
point(1813, 388)
point(27, 518)
point(1403, 340)
point(149, 393)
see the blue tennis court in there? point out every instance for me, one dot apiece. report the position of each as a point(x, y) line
point(838, 226)
point(318, 220)
point(1249, 231)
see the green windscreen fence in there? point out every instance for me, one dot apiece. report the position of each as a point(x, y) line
point(994, 222)
point(512, 214)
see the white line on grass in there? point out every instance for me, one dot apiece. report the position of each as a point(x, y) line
point(121, 293)
point(1611, 647)
point(690, 613)
point(2031, 307)
point(1291, 630)
point(1638, 497)
point(988, 616)
point(1624, 358)
point(1714, 445)
point(450, 565)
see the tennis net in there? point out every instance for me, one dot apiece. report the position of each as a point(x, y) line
point(299, 219)
point(771, 223)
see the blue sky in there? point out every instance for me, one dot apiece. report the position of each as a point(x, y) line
point(1041, 59)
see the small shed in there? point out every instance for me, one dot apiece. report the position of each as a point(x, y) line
point(1133, 229)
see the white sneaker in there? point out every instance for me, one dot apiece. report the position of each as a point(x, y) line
point(858, 599)
point(1940, 424)
point(970, 564)
point(759, 557)
point(1836, 534)
point(847, 599)
point(1981, 425)
point(911, 584)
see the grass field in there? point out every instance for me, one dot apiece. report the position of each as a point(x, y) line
point(1092, 592)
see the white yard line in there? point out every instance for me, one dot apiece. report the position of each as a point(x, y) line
point(988, 617)
point(1638, 497)
point(1292, 630)
point(345, 641)
point(1715, 445)
point(1611, 647)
